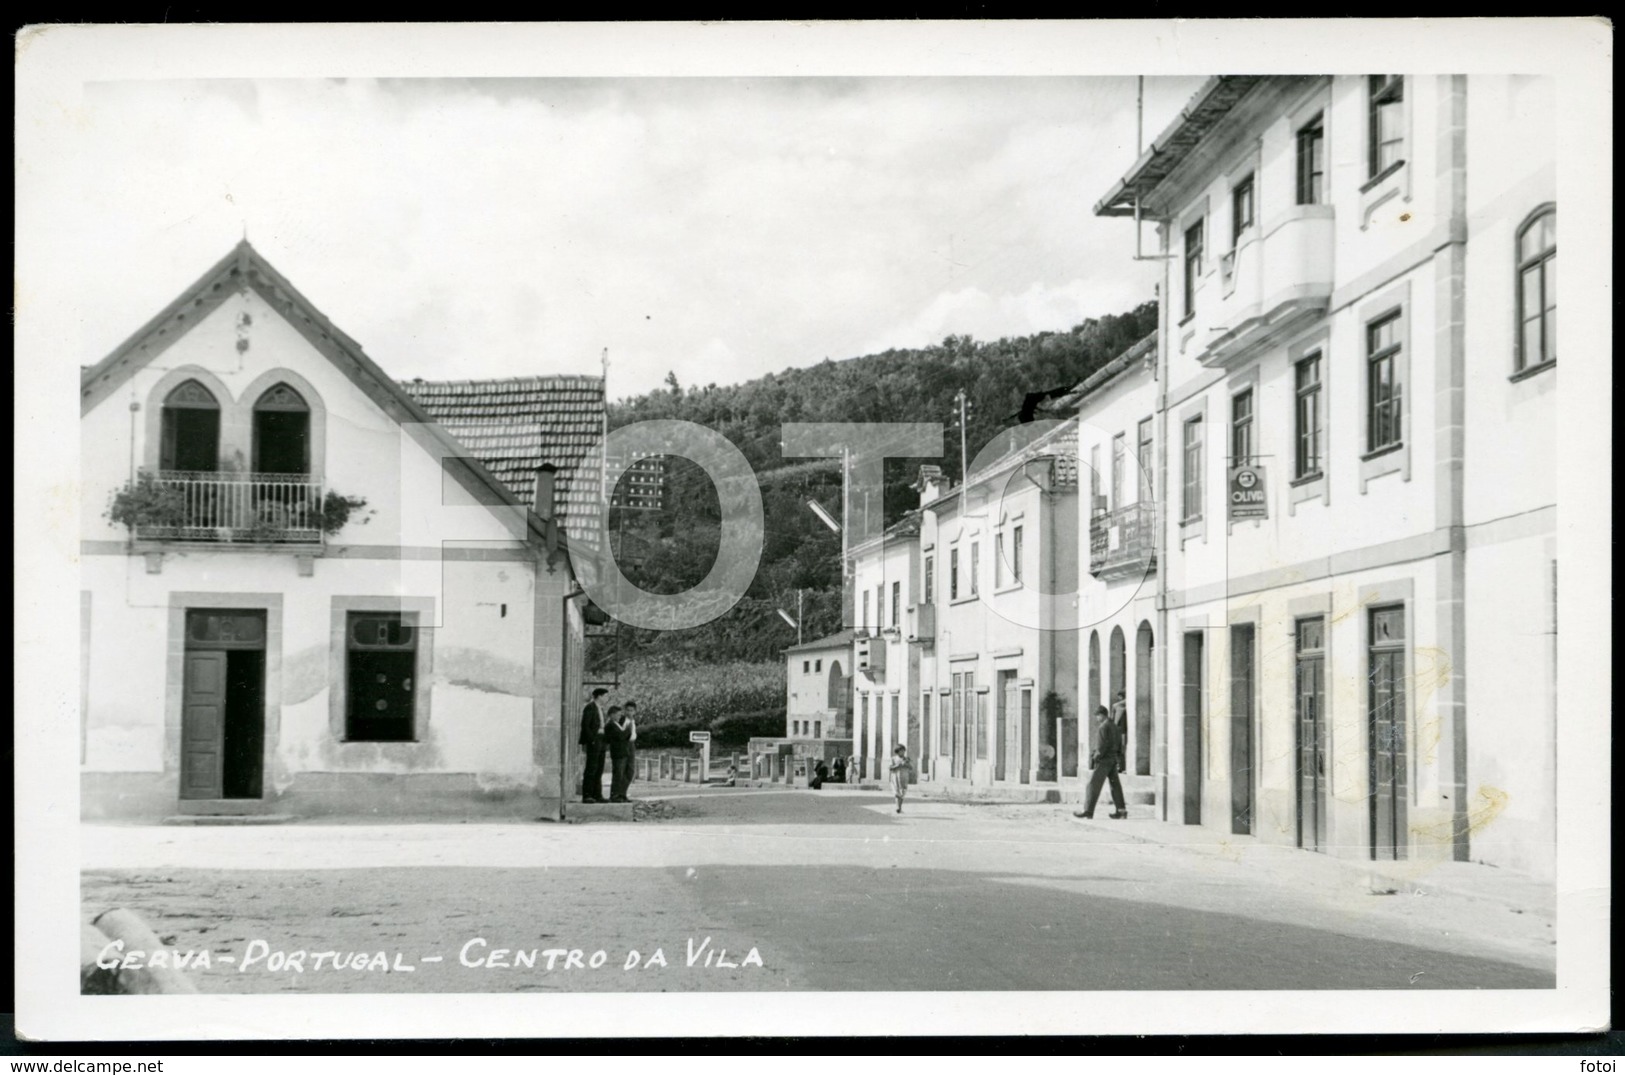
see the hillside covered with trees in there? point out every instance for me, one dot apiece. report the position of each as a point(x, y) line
point(670, 550)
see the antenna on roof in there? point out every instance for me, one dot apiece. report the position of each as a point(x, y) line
point(603, 454)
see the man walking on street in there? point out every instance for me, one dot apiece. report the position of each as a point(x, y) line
point(592, 746)
point(1107, 762)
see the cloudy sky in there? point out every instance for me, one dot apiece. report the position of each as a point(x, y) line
point(718, 228)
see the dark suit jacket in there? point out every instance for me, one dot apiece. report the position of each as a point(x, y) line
point(619, 739)
point(592, 726)
point(1109, 751)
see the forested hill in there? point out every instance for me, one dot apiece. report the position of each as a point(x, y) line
point(670, 551)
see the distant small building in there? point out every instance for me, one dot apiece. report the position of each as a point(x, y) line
point(818, 688)
point(888, 704)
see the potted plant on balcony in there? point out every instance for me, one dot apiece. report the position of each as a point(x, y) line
point(337, 511)
point(143, 503)
point(329, 515)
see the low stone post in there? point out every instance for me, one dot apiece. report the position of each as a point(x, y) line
point(126, 926)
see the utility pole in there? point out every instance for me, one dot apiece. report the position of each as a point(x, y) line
point(847, 611)
point(963, 405)
point(1139, 120)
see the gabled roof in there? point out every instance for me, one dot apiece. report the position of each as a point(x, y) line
point(839, 638)
point(516, 424)
point(1143, 350)
point(245, 269)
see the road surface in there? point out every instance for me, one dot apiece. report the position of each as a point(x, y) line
point(786, 890)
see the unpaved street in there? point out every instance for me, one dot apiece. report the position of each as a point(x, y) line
point(789, 890)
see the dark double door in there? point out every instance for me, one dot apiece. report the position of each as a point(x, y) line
point(223, 705)
point(1243, 692)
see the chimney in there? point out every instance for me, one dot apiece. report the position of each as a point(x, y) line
point(931, 483)
point(543, 498)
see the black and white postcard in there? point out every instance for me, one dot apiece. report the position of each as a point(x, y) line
point(895, 528)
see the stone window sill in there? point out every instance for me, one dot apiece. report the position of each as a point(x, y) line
point(1390, 459)
point(1533, 371)
point(1376, 181)
point(1192, 529)
point(1393, 181)
point(1309, 487)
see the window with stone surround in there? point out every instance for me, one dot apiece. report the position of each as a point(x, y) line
point(1383, 386)
point(1191, 500)
point(1312, 162)
point(381, 673)
point(1386, 138)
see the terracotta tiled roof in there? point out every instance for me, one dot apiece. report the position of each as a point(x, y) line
point(514, 425)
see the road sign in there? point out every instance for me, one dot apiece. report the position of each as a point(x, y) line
point(704, 739)
point(1247, 499)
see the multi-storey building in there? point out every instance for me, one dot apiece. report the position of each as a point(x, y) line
point(1118, 626)
point(301, 595)
point(998, 583)
point(886, 667)
point(1355, 376)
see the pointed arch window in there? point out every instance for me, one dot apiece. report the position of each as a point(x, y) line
point(190, 438)
point(281, 432)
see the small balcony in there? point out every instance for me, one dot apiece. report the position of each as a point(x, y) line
point(1123, 543)
point(1270, 286)
point(922, 624)
point(233, 509)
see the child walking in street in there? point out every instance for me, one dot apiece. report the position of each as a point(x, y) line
point(900, 768)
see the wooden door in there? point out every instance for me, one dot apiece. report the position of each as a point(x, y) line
point(1389, 761)
point(1001, 746)
point(1311, 736)
point(1026, 736)
point(1193, 728)
point(1241, 730)
point(203, 724)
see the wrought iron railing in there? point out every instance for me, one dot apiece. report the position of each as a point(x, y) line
point(1123, 540)
point(283, 509)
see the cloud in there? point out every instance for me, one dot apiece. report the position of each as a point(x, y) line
point(720, 228)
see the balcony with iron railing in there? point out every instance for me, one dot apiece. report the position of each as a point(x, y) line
point(229, 508)
point(1123, 542)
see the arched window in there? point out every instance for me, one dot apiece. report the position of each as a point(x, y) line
point(281, 432)
point(190, 429)
point(1537, 289)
